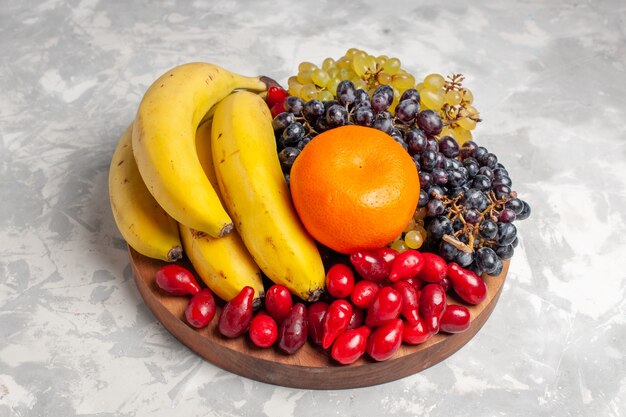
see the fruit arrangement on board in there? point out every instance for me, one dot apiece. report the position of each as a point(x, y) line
point(343, 211)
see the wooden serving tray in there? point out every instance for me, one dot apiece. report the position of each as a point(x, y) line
point(311, 367)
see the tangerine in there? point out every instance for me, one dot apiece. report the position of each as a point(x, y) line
point(354, 188)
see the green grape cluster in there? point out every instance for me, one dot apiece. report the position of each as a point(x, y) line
point(364, 70)
point(453, 102)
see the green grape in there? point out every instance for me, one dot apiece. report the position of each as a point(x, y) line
point(363, 63)
point(325, 95)
point(453, 98)
point(420, 214)
point(306, 66)
point(292, 80)
point(432, 100)
point(332, 85)
point(471, 111)
point(352, 51)
point(308, 92)
point(346, 74)
point(399, 246)
point(420, 229)
point(419, 87)
point(383, 78)
point(333, 72)
point(328, 63)
point(294, 89)
point(467, 95)
point(447, 131)
point(466, 123)
point(392, 66)
point(320, 77)
point(461, 135)
point(304, 77)
point(381, 59)
point(409, 226)
point(434, 82)
point(344, 62)
point(413, 239)
point(403, 81)
point(359, 83)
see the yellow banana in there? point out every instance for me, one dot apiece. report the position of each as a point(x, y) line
point(256, 195)
point(224, 263)
point(164, 141)
point(146, 227)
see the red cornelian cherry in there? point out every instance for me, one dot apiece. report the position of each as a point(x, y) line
point(385, 341)
point(201, 309)
point(236, 314)
point(363, 293)
point(432, 306)
point(385, 307)
point(339, 281)
point(315, 317)
point(466, 284)
point(278, 302)
point(263, 330)
point(388, 254)
point(176, 280)
point(455, 319)
point(275, 95)
point(293, 331)
point(410, 301)
point(434, 269)
point(336, 321)
point(350, 345)
point(406, 265)
point(357, 320)
point(371, 265)
point(414, 334)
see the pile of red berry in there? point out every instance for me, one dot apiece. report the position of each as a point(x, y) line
point(382, 299)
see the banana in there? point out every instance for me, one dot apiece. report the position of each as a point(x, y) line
point(146, 227)
point(164, 141)
point(256, 195)
point(224, 263)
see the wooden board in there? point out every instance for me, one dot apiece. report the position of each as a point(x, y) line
point(311, 367)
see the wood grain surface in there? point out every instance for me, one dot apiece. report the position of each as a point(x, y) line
point(311, 367)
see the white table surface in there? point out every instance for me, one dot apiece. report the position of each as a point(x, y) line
point(549, 79)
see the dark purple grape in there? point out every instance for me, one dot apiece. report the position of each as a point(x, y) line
point(501, 190)
point(428, 160)
point(440, 160)
point(486, 171)
point(505, 252)
point(506, 233)
point(406, 110)
point(287, 157)
point(468, 148)
point(330, 103)
point(282, 120)
point(364, 116)
point(439, 176)
point(412, 94)
point(447, 251)
point(515, 242)
point(457, 191)
point(472, 198)
point(464, 258)
point(294, 105)
point(430, 122)
point(436, 190)
point(507, 216)
point(417, 140)
point(487, 159)
point(479, 152)
point(432, 144)
point(486, 259)
point(500, 172)
point(417, 162)
point(435, 208)
point(303, 142)
point(457, 224)
point(292, 134)
point(456, 177)
point(426, 179)
point(497, 270)
point(481, 182)
point(439, 226)
point(472, 216)
point(385, 115)
point(398, 138)
point(384, 125)
point(488, 229)
point(525, 212)
point(346, 92)
point(423, 199)
point(287, 179)
point(379, 103)
point(503, 181)
point(336, 116)
point(448, 146)
point(313, 109)
point(472, 166)
point(387, 92)
point(516, 205)
point(362, 97)
point(321, 125)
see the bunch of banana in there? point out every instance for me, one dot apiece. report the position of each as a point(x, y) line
point(166, 192)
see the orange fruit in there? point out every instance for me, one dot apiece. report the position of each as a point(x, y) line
point(354, 188)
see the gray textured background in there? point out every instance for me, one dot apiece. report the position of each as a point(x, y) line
point(548, 77)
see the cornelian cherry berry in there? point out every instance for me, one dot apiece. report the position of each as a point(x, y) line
point(176, 280)
point(278, 302)
point(263, 330)
point(363, 293)
point(275, 95)
point(339, 281)
point(201, 309)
